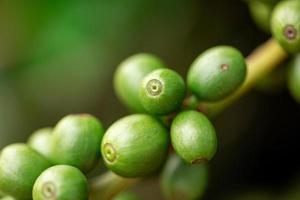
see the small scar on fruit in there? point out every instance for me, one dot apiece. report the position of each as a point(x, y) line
point(49, 190)
point(200, 160)
point(110, 152)
point(290, 32)
point(224, 67)
point(154, 87)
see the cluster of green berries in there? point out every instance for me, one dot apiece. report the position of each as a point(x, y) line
point(282, 18)
point(141, 140)
point(53, 163)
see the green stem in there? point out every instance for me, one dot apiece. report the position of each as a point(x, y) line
point(262, 61)
point(106, 186)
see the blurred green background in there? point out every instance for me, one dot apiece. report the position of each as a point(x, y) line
point(58, 57)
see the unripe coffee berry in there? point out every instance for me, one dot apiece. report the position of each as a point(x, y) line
point(40, 141)
point(19, 167)
point(162, 91)
point(128, 77)
point(285, 24)
point(260, 12)
point(76, 140)
point(135, 145)
point(294, 78)
point(180, 180)
point(216, 73)
point(193, 137)
point(61, 182)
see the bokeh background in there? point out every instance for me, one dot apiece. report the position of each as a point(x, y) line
point(58, 57)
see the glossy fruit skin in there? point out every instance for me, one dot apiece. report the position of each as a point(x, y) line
point(216, 73)
point(128, 77)
point(193, 137)
point(285, 24)
point(162, 91)
point(294, 78)
point(61, 182)
point(76, 140)
point(135, 145)
point(40, 141)
point(182, 181)
point(19, 167)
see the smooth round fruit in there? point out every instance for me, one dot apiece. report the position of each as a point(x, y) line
point(294, 78)
point(40, 141)
point(285, 24)
point(261, 13)
point(76, 140)
point(216, 73)
point(19, 167)
point(126, 196)
point(182, 181)
point(162, 91)
point(128, 77)
point(61, 182)
point(193, 137)
point(135, 145)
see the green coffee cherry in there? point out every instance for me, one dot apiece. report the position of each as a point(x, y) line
point(182, 181)
point(162, 91)
point(40, 141)
point(294, 78)
point(7, 198)
point(261, 13)
point(129, 75)
point(216, 73)
point(126, 196)
point(76, 140)
point(60, 182)
point(193, 137)
point(135, 145)
point(285, 24)
point(19, 167)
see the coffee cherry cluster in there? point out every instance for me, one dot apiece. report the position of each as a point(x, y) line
point(53, 163)
point(137, 145)
point(285, 24)
point(283, 18)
